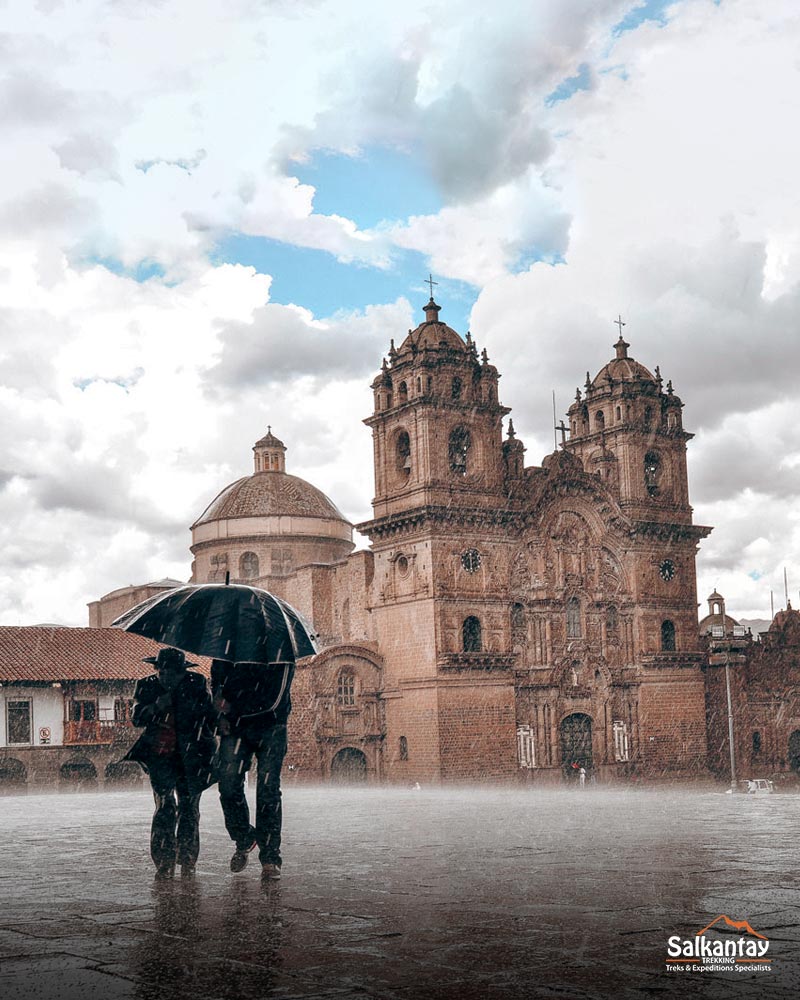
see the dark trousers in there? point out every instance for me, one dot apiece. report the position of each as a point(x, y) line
point(175, 832)
point(236, 753)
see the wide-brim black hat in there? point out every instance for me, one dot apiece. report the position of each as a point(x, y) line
point(169, 657)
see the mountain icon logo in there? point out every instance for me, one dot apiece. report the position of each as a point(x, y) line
point(737, 925)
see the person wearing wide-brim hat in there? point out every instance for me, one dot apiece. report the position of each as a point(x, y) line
point(176, 750)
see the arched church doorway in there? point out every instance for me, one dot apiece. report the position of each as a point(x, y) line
point(794, 751)
point(349, 767)
point(576, 745)
point(79, 774)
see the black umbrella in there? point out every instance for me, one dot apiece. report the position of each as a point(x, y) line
point(225, 622)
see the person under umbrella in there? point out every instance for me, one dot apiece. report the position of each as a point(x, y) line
point(176, 750)
point(253, 704)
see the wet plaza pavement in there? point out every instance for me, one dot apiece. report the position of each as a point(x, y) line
point(401, 894)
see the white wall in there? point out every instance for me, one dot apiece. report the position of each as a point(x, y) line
point(47, 711)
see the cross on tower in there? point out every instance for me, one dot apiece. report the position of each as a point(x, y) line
point(431, 282)
point(620, 324)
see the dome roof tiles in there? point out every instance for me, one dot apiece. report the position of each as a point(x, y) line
point(270, 494)
point(622, 370)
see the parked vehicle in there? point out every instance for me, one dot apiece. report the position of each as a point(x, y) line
point(759, 786)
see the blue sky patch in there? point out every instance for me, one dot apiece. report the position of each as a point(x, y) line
point(143, 271)
point(581, 81)
point(318, 281)
point(378, 185)
point(649, 10)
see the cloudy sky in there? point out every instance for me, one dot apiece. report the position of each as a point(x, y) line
point(214, 215)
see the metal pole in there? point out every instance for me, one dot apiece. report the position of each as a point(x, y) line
point(730, 722)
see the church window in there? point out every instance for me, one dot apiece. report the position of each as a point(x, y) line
point(430, 385)
point(419, 386)
point(403, 454)
point(402, 565)
point(458, 450)
point(403, 748)
point(402, 392)
point(648, 416)
point(574, 618)
point(668, 636)
point(756, 743)
point(526, 747)
point(612, 619)
point(599, 420)
point(346, 689)
point(248, 566)
point(619, 414)
point(652, 471)
point(455, 387)
point(518, 625)
point(471, 635)
point(574, 427)
point(621, 745)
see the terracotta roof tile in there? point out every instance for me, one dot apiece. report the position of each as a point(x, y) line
point(52, 653)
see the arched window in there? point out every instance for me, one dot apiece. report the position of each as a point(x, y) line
point(346, 689)
point(612, 619)
point(455, 387)
point(619, 414)
point(652, 472)
point(471, 635)
point(668, 636)
point(574, 618)
point(458, 450)
point(599, 420)
point(402, 392)
point(403, 454)
point(248, 566)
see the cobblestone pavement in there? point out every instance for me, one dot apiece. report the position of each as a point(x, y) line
point(401, 894)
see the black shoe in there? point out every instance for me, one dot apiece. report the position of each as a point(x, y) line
point(164, 871)
point(187, 870)
point(270, 872)
point(240, 857)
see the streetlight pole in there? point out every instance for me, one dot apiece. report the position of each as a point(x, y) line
point(730, 715)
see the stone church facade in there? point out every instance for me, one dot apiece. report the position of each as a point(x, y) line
point(507, 622)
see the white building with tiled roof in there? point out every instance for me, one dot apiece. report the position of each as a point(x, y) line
point(65, 698)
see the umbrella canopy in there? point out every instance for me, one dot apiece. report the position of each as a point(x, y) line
point(226, 622)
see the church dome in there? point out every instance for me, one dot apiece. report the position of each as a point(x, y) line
point(268, 525)
point(622, 369)
point(432, 334)
point(270, 494)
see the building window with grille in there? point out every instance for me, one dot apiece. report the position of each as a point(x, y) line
point(18, 722)
point(82, 711)
point(123, 710)
point(403, 748)
point(668, 636)
point(574, 630)
point(526, 747)
point(346, 690)
point(471, 635)
point(621, 747)
point(652, 472)
point(248, 566)
point(458, 450)
point(403, 454)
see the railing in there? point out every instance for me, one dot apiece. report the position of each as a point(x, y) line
point(477, 661)
point(96, 732)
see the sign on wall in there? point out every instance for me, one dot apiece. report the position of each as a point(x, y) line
point(44, 735)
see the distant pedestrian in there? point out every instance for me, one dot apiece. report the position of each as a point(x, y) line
point(582, 776)
point(253, 704)
point(176, 750)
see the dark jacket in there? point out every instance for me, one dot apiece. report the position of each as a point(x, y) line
point(192, 716)
point(257, 695)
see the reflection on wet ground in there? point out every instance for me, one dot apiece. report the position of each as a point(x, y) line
point(446, 895)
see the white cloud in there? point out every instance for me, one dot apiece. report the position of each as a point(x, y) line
point(143, 131)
